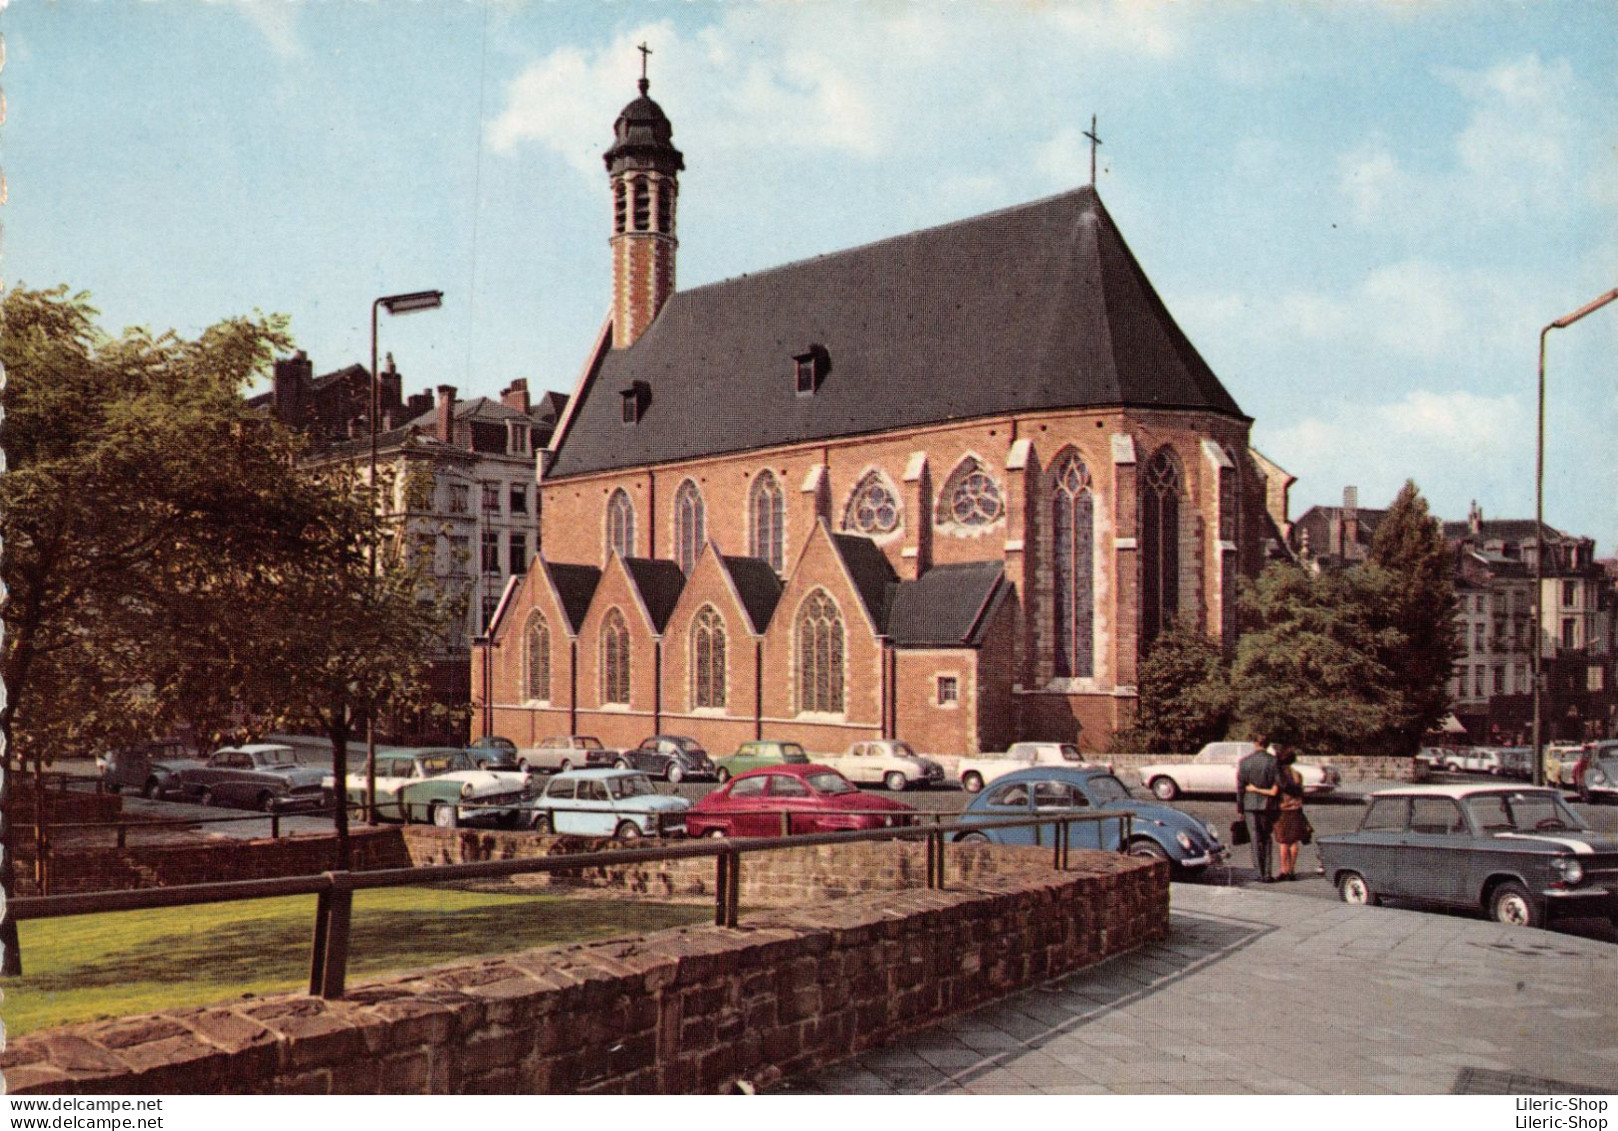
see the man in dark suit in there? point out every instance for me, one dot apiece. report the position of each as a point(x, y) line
point(1256, 799)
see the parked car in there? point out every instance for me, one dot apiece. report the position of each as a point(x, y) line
point(1213, 770)
point(263, 776)
point(1561, 759)
point(1598, 780)
point(153, 768)
point(1157, 831)
point(609, 802)
point(563, 752)
point(431, 785)
point(493, 752)
point(975, 773)
point(758, 754)
point(1516, 762)
point(813, 799)
point(1471, 760)
point(672, 757)
point(886, 762)
point(1516, 853)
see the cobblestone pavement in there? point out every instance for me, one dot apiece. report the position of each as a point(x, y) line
point(1259, 991)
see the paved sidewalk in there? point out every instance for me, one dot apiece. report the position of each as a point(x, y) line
point(1258, 991)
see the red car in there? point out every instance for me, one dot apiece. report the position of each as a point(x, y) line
point(815, 799)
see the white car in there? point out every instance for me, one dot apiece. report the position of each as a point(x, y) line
point(887, 762)
point(1213, 770)
point(975, 773)
point(1472, 760)
point(438, 786)
point(563, 752)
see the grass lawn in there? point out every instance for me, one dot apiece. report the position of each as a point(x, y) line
point(131, 962)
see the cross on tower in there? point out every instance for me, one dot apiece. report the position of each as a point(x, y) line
point(1094, 141)
point(645, 52)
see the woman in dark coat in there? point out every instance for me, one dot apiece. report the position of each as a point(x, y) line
point(1290, 823)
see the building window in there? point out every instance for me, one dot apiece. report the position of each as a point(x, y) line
point(1230, 500)
point(491, 498)
point(642, 199)
point(970, 496)
point(1570, 632)
point(1073, 536)
point(460, 552)
point(491, 603)
point(690, 525)
point(519, 499)
point(1523, 687)
point(872, 508)
point(1570, 594)
point(621, 524)
point(1160, 544)
point(1478, 631)
point(620, 209)
point(1499, 681)
point(708, 659)
point(1595, 678)
point(820, 655)
point(949, 690)
point(1477, 681)
point(614, 658)
point(491, 552)
point(460, 498)
point(518, 554)
point(537, 659)
point(766, 512)
point(665, 207)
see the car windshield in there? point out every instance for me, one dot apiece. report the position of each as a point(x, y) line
point(588, 743)
point(1522, 812)
point(434, 764)
point(830, 782)
point(1070, 753)
point(631, 785)
point(1107, 788)
point(792, 752)
point(275, 758)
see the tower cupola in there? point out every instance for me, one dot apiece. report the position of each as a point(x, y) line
point(643, 167)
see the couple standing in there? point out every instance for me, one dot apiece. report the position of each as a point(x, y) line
point(1269, 797)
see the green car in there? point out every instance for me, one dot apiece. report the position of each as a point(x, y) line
point(754, 755)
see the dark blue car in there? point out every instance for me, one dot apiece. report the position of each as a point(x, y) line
point(1156, 831)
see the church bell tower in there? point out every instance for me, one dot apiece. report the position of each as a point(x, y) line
point(644, 167)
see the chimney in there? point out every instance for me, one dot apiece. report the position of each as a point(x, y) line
point(445, 425)
point(1351, 523)
point(391, 387)
point(515, 395)
point(419, 403)
point(290, 386)
point(1474, 518)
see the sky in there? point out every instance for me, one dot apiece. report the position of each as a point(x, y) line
point(1360, 213)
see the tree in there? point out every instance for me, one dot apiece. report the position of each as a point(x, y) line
point(1310, 670)
point(1185, 694)
point(1420, 605)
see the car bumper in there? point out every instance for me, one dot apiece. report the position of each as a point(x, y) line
point(1212, 856)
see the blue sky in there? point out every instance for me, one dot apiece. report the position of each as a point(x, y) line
point(1360, 213)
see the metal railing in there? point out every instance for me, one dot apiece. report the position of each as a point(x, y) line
point(334, 891)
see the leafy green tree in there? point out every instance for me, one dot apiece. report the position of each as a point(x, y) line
point(1310, 668)
point(1419, 603)
point(1185, 696)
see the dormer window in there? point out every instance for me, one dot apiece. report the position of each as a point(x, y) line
point(810, 369)
point(636, 397)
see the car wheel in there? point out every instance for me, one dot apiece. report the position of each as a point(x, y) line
point(507, 818)
point(621, 764)
point(1510, 904)
point(972, 782)
point(1451, 768)
point(1164, 788)
point(567, 764)
point(627, 830)
point(1351, 886)
point(714, 834)
point(895, 781)
point(264, 803)
point(522, 764)
point(674, 775)
point(541, 824)
point(443, 816)
point(972, 838)
point(721, 775)
point(1148, 850)
point(152, 789)
point(207, 798)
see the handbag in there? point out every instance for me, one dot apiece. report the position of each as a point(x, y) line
point(1238, 832)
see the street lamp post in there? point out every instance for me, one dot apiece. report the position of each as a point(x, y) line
point(394, 304)
point(1536, 657)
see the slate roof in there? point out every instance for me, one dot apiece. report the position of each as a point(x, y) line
point(659, 583)
point(1505, 529)
point(575, 585)
point(1040, 306)
point(948, 607)
point(758, 587)
point(871, 572)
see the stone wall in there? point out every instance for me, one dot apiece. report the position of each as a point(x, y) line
point(685, 1010)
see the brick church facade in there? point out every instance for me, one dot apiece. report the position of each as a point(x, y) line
point(945, 487)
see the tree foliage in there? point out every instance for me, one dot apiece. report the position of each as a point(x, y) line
point(1185, 696)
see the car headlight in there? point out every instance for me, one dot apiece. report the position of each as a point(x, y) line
point(1596, 777)
point(466, 789)
point(1185, 841)
point(1572, 871)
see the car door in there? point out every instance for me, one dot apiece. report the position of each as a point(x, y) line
point(559, 800)
point(743, 804)
point(592, 813)
point(1378, 847)
point(1008, 799)
point(1433, 865)
point(792, 796)
point(1052, 797)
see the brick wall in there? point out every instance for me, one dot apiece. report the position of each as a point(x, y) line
point(685, 1010)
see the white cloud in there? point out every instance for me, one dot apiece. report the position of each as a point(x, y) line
point(276, 20)
point(1065, 158)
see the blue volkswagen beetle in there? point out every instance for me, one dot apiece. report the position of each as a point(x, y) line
point(1157, 831)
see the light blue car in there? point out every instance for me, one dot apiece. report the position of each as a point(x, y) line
point(607, 803)
point(1157, 831)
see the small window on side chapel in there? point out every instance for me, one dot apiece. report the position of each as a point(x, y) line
point(949, 690)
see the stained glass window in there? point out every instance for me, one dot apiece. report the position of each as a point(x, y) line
point(689, 525)
point(1073, 561)
point(1159, 544)
point(873, 508)
point(766, 514)
point(621, 524)
point(708, 659)
point(614, 658)
point(820, 655)
point(537, 658)
point(970, 497)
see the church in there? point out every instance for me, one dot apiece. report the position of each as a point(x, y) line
point(946, 487)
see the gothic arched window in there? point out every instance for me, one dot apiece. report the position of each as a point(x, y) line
point(766, 511)
point(690, 525)
point(614, 658)
point(820, 654)
point(537, 658)
point(621, 524)
point(970, 496)
point(873, 508)
point(708, 659)
point(1159, 544)
point(1073, 566)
